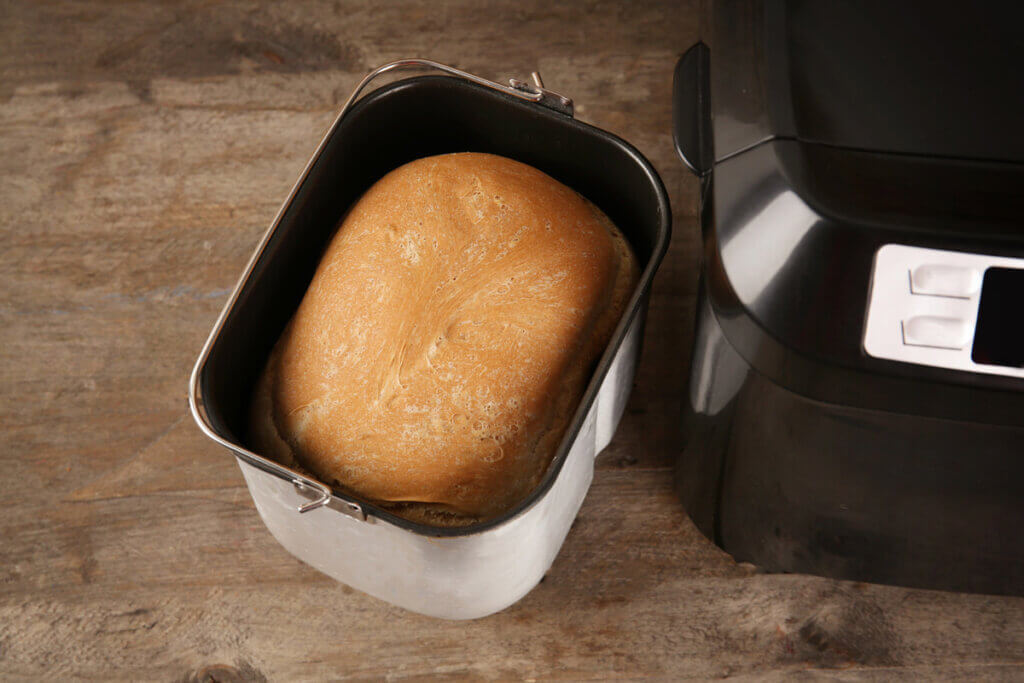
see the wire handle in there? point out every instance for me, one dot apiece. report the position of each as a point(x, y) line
point(531, 92)
point(318, 496)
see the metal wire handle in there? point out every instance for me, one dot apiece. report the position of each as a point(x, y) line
point(535, 92)
point(320, 496)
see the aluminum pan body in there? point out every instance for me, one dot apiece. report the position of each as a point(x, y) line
point(458, 577)
point(453, 573)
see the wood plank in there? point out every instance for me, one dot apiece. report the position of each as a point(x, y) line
point(193, 579)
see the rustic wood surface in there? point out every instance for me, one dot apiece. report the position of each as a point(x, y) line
point(144, 148)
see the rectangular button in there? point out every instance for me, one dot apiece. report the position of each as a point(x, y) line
point(938, 279)
point(935, 331)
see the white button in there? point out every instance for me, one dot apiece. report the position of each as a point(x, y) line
point(931, 330)
point(942, 280)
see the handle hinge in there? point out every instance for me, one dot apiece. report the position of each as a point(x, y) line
point(545, 97)
point(320, 496)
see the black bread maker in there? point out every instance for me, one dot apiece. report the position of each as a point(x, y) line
point(856, 399)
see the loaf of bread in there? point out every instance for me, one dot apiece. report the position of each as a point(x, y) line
point(446, 338)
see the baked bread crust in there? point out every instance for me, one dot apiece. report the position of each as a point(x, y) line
point(446, 338)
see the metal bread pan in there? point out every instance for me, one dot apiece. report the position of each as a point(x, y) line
point(453, 573)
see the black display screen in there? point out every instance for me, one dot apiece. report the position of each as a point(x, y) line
point(999, 334)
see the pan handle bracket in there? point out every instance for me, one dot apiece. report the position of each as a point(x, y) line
point(320, 496)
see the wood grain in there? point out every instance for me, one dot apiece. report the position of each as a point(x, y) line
point(143, 149)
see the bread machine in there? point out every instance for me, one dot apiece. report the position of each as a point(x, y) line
point(455, 573)
point(856, 399)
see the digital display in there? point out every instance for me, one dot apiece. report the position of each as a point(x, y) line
point(999, 333)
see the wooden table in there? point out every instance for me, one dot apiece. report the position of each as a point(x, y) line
point(143, 150)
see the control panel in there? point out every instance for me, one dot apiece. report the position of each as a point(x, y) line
point(948, 309)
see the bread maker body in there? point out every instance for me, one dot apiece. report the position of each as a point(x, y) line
point(856, 399)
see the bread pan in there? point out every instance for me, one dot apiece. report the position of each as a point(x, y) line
point(454, 573)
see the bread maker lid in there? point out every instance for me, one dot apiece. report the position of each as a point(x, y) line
point(940, 79)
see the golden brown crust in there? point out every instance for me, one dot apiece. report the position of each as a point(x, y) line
point(446, 338)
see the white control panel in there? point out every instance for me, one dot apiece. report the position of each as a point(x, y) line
point(924, 308)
